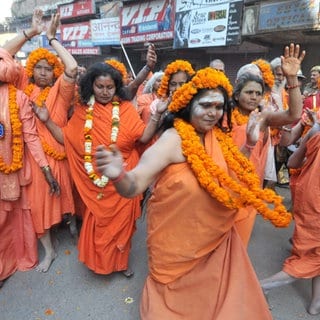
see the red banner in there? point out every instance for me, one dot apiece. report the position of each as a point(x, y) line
point(76, 9)
point(75, 31)
point(94, 51)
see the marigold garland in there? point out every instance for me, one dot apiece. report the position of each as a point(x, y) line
point(119, 66)
point(17, 142)
point(50, 151)
point(103, 180)
point(238, 118)
point(266, 70)
point(43, 54)
point(172, 68)
point(240, 195)
point(207, 78)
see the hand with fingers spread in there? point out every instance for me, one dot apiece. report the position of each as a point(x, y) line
point(53, 26)
point(291, 59)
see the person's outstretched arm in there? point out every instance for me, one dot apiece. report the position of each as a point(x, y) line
point(70, 64)
point(37, 26)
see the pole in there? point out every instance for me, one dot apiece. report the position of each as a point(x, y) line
point(129, 63)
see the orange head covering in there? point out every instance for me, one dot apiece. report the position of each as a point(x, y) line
point(120, 67)
point(44, 54)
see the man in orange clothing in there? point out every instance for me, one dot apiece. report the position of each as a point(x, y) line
point(18, 244)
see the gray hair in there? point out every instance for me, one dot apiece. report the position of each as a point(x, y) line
point(249, 68)
point(149, 84)
point(276, 62)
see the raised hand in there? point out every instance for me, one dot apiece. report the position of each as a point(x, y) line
point(37, 23)
point(53, 26)
point(291, 59)
point(253, 127)
point(151, 56)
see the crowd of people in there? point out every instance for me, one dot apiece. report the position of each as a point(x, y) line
point(201, 154)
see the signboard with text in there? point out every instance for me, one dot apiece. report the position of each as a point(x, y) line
point(105, 31)
point(288, 14)
point(215, 23)
point(77, 9)
point(147, 21)
point(75, 31)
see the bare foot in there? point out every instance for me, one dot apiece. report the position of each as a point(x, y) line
point(277, 280)
point(45, 264)
point(128, 273)
point(314, 307)
point(73, 229)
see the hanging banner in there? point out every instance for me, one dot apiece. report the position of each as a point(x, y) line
point(203, 25)
point(77, 9)
point(147, 21)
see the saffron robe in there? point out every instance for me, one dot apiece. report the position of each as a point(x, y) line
point(108, 223)
point(246, 216)
point(18, 244)
point(48, 210)
point(198, 266)
point(305, 255)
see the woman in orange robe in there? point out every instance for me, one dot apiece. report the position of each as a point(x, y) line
point(46, 80)
point(198, 266)
point(105, 117)
point(247, 97)
point(18, 244)
point(304, 260)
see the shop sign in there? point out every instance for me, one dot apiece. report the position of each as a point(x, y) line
point(105, 31)
point(93, 51)
point(77, 9)
point(75, 31)
point(147, 21)
point(203, 25)
point(288, 14)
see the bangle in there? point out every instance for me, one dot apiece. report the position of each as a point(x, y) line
point(26, 36)
point(120, 177)
point(50, 40)
point(45, 169)
point(147, 68)
point(154, 119)
point(248, 146)
point(293, 86)
point(284, 128)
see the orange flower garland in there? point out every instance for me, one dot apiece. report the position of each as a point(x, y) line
point(240, 195)
point(204, 78)
point(267, 74)
point(238, 118)
point(103, 180)
point(119, 66)
point(17, 142)
point(43, 54)
point(172, 68)
point(50, 151)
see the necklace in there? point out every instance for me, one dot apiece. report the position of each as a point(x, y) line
point(231, 193)
point(102, 181)
point(16, 126)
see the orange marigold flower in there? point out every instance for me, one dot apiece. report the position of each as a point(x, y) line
point(119, 66)
point(267, 74)
point(43, 54)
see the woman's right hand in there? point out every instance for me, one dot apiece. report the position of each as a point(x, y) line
point(42, 113)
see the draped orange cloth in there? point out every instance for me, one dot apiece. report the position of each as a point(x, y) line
point(305, 255)
point(143, 105)
point(48, 210)
point(246, 216)
point(18, 244)
point(199, 268)
point(108, 223)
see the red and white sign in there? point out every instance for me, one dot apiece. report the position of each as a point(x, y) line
point(93, 51)
point(76, 9)
point(76, 31)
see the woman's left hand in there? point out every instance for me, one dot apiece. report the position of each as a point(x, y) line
point(53, 26)
point(254, 127)
point(151, 56)
point(291, 59)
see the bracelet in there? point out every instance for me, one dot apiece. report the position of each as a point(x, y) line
point(248, 146)
point(45, 169)
point(147, 68)
point(26, 36)
point(120, 177)
point(50, 40)
point(284, 128)
point(293, 86)
point(154, 119)
point(70, 76)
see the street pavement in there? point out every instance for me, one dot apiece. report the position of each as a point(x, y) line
point(69, 291)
